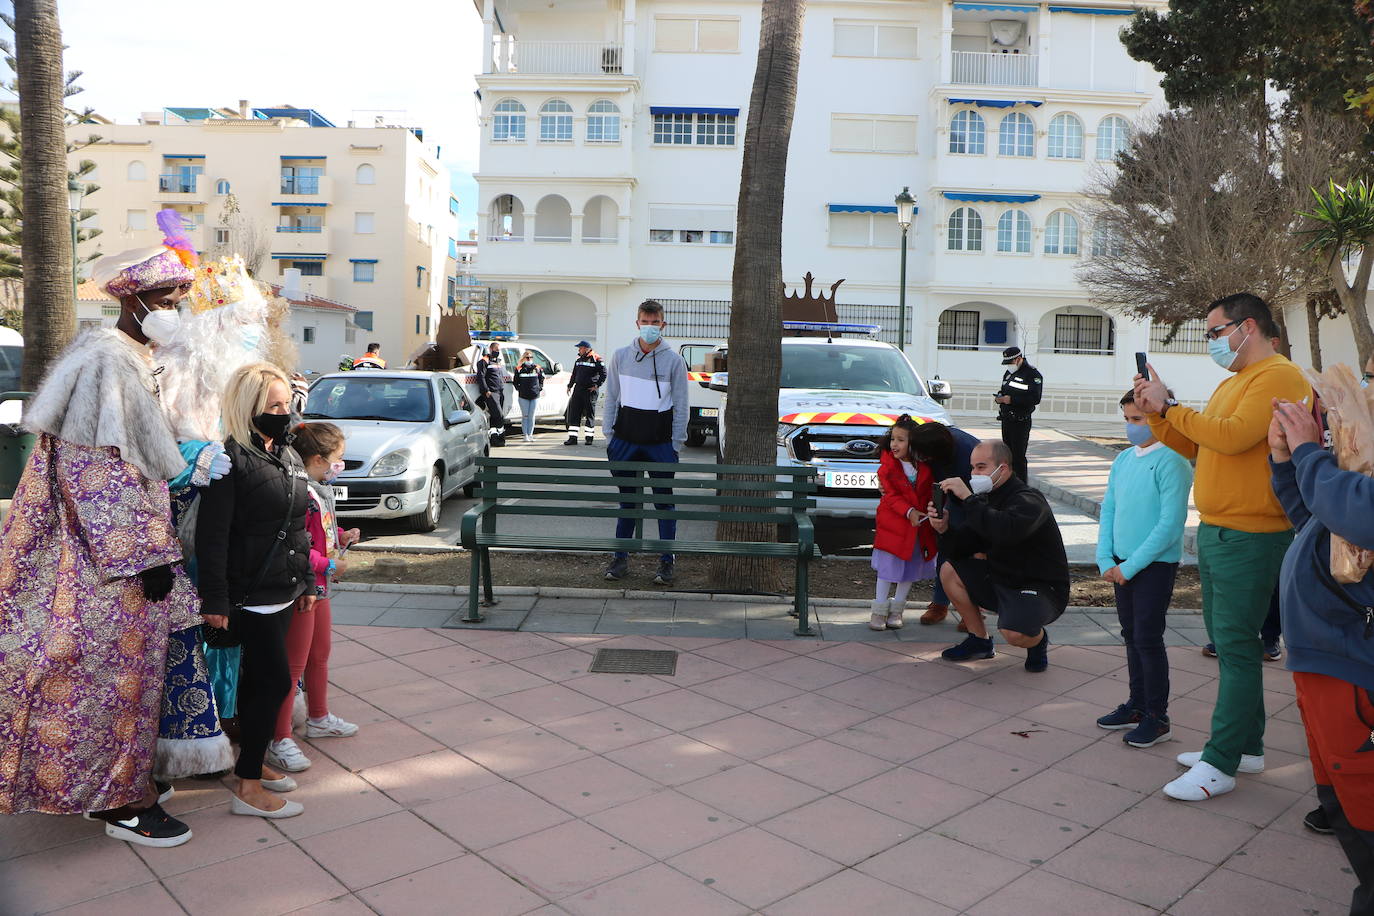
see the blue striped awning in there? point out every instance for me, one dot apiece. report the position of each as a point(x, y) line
point(861, 208)
point(993, 196)
point(677, 109)
point(997, 103)
point(996, 8)
point(276, 256)
point(1091, 11)
point(299, 203)
point(183, 155)
point(362, 260)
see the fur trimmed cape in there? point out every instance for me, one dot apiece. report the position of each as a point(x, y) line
point(101, 393)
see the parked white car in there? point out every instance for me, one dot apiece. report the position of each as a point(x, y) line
point(553, 402)
point(413, 441)
point(838, 397)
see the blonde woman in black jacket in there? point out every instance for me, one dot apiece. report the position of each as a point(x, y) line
point(253, 554)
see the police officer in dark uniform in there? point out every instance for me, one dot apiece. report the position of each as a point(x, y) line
point(1016, 401)
point(588, 374)
point(491, 387)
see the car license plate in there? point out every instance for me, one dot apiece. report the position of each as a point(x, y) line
point(708, 411)
point(851, 480)
point(340, 493)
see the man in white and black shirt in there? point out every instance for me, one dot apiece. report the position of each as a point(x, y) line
point(645, 419)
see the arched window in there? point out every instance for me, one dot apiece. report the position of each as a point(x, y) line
point(555, 121)
point(508, 122)
point(603, 122)
point(365, 174)
point(137, 171)
point(1016, 136)
point(1113, 133)
point(553, 219)
point(1066, 137)
point(1105, 242)
point(1061, 233)
point(506, 219)
point(1014, 232)
point(965, 230)
point(222, 187)
point(968, 133)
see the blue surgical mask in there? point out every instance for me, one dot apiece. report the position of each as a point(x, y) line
point(250, 338)
point(1221, 352)
point(1138, 434)
point(650, 334)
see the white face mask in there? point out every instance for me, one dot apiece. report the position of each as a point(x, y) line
point(158, 325)
point(983, 483)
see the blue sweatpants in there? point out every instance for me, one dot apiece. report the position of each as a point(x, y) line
point(663, 453)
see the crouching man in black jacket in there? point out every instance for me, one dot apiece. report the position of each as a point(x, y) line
point(1005, 556)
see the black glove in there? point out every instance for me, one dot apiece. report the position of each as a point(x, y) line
point(157, 582)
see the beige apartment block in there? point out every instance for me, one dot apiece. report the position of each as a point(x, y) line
point(363, 212)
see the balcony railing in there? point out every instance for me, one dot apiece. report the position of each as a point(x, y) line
point(300, 184)
point(566, 57)
point(177, 184)
point(315, 229)
point(996, 69)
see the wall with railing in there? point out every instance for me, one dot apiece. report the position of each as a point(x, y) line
point(512, 55)
point(995, 68)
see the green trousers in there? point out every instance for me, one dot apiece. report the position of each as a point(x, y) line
point(1238, 570)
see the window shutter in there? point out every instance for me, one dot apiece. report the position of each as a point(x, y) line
point(718, 35)
point(675, 34)
point(896, 41)
point(853, 40)
point(895, 136)
point(851, 133)
point(849, 229)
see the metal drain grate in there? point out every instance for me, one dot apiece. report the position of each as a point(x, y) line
point(634, 661)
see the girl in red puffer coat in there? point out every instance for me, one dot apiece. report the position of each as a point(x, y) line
point(904, 545)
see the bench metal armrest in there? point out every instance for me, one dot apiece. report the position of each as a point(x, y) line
point(468, 536)
point(806, 533)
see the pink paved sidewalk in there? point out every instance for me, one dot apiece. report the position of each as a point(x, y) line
point(493, 775)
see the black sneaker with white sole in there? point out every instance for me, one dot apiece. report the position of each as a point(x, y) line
point(149, 827)
point(164, 791)
point(664, 576)
point(619, 568)
point(1317, 821)
point(1152, 730)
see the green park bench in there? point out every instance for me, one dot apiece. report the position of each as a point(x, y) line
point(570, 489)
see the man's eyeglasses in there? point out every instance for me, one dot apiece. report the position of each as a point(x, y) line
point(1214, 333)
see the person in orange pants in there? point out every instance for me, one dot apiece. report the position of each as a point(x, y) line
point(1328, 628)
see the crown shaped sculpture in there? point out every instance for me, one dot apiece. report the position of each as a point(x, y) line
point(811, 306)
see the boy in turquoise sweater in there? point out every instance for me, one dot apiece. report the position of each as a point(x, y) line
point(1139, 544)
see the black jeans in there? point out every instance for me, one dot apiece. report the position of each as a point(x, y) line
point(581, 409)
point(495, 403)
point(1016, 434)
point(263, 684)
point(1140, 606)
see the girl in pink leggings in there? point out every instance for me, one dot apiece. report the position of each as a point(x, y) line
point(321, 447)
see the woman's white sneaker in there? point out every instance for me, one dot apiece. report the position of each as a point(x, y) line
point(331, 726)
point(1202, 782)
point(285, 755)
point(1249, 763)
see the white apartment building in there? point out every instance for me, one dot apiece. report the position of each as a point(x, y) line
point(611, 144)
point(364, 213)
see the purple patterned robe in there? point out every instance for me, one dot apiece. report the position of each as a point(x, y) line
point(82, 652)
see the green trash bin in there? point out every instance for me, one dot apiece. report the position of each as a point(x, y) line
point(15, 446)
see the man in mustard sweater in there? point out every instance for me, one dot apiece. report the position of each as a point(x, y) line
point(1244, 532)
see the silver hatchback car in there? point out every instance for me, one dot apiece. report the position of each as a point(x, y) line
point(413, 441)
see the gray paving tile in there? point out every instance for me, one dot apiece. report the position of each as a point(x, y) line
point(619, 626)
point(366, 599)
point(354, 614)
point(640, 610)
point(538, 622)
point(777, 629)
point(569, 605)
point(416, 616)
point(1189, 637)
point(709, 630)
point(858, 632)
point(495, 619)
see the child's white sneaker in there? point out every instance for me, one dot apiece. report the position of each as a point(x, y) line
point(1202, 782)
point(285, 755)
point(877, 618)
point(331, 726)
point(895, 609)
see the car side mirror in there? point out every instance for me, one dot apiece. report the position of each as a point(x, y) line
point(720, 381)
point(940, 390)
point(457, 416)
point(557, 368)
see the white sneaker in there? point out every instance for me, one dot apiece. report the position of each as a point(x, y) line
point(1202, 782)
point(1249, 763)
point(331, 727)
point(877, 620)
point(285, 755)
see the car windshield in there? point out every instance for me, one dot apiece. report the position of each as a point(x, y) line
point(402, 400)
point(847, 368)
point(11, 367)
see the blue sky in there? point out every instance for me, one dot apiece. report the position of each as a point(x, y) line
point(339, 57)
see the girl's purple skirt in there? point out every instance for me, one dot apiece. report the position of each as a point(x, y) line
point(891, 568)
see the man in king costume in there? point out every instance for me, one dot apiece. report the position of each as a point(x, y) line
point(91, 586)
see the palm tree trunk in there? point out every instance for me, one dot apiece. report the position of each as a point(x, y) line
point(1353, 297)
point(1314, 332)
point(49, 312)
point(751, 410)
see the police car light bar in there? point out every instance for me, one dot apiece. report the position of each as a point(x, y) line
point(831, 326)
point(492, 335)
